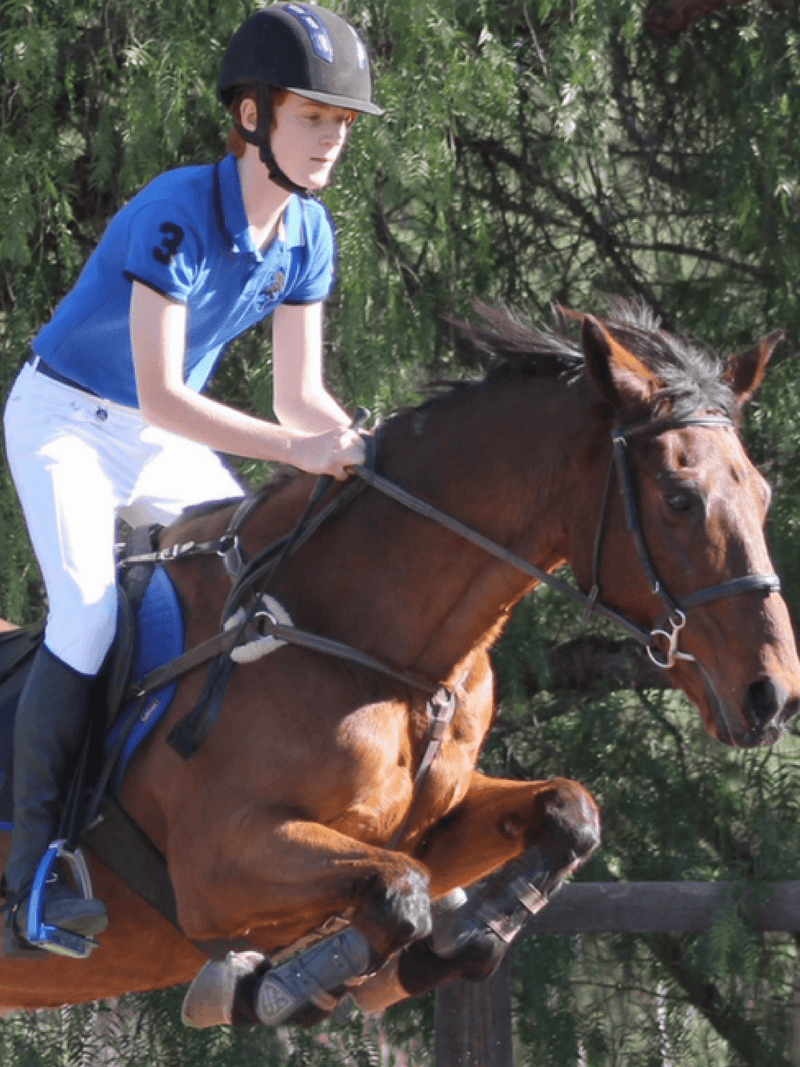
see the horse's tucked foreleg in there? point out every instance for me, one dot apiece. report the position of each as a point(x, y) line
point(473, 930)
point(272, 878)
point(532, 835)
point(315, 872)
point(471, 933)
point(472, 941)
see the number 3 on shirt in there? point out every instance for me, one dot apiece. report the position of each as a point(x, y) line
point(171, 242)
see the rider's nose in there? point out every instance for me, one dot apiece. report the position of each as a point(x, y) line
point(335, 133)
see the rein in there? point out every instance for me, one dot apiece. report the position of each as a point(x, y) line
point(188, 735)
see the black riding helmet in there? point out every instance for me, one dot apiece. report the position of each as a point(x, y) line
point(305, 49)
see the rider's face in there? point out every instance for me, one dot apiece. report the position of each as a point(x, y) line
point(308, 138)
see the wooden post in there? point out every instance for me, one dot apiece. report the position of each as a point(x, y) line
point(473, 1022)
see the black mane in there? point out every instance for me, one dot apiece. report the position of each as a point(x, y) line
point(691, 378)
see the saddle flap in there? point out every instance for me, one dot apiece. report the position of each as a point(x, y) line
point(133, 583)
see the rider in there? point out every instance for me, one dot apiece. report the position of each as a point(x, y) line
point(108, 418)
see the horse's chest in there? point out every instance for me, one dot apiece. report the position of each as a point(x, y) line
point(378, 763)
point(371, 753)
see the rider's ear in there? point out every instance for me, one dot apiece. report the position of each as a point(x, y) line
point(745, 372)
point(619, 376)
point(248, 113)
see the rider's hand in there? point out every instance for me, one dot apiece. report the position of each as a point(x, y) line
point(332, 452)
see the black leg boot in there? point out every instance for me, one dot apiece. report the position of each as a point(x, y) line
point(51, 716)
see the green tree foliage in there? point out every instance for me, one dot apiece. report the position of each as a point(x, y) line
point(533, 151)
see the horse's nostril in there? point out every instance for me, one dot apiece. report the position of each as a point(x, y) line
point(763, 701)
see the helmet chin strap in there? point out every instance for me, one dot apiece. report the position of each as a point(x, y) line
point(260, 137)
point(276, 174)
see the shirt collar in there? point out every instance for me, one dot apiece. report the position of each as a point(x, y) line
point(233, 218)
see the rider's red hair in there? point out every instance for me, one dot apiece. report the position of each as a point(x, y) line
point(237, 143)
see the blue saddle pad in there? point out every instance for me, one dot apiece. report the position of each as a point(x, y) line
point(159, 638)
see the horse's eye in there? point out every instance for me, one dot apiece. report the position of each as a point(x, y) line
point(680, 501)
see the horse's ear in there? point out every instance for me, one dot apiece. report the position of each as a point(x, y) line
point(745, 373)
point(619, 376)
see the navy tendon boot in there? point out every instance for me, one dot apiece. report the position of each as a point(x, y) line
point(51, 716)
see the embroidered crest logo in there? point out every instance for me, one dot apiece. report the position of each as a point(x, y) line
point(273, 290)
point(317, 34)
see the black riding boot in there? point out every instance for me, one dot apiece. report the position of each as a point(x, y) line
point(51, 716)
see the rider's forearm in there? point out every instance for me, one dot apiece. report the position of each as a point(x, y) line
point(222, 428)
point(317, 413)
point(300, 398)
point(158, 337)
point(314, 436)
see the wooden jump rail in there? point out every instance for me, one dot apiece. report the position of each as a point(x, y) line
point(473, 1020)
point(661, 907)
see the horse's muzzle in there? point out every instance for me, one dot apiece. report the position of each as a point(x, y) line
point(767, 708)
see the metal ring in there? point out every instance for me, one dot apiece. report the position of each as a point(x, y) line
point(655, 654)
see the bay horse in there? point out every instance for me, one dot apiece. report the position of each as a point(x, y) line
point(616, 453)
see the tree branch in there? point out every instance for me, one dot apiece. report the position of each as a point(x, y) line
point(666, 17)
point(591, 660)
point(493, 152)
point(742, 1037)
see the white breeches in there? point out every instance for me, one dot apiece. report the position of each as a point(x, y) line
point(78, 462)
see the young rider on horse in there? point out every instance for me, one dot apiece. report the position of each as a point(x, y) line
point(107, 417)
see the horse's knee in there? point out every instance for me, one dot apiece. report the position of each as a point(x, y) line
point(393, 913)
point(567, 827)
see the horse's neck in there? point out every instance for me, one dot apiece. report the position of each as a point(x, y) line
point(399, 586)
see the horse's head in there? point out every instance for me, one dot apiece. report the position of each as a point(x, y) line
point(682, 551)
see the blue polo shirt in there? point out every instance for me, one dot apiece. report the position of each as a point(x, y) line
point(186, 236)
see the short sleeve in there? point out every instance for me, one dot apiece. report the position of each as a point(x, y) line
point(163, 251)
point(317, 278)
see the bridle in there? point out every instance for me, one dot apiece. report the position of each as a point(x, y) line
point(661, 641)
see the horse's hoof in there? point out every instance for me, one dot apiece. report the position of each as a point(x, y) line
point(211, 999)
